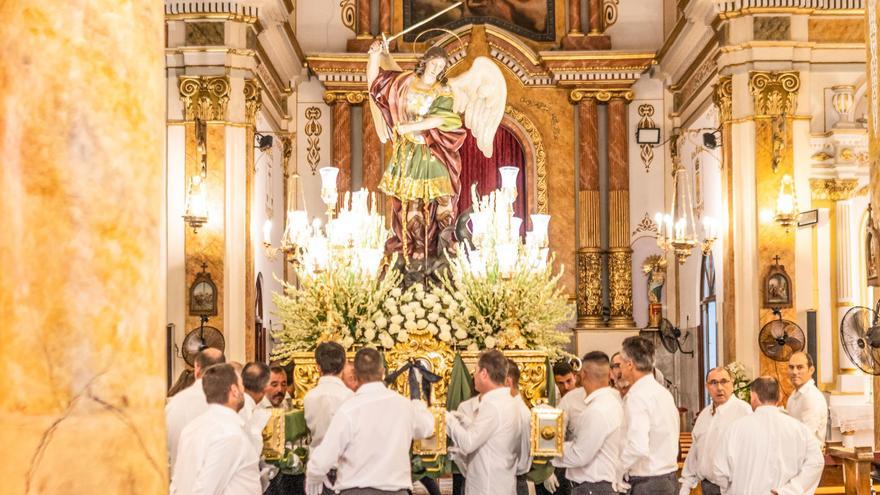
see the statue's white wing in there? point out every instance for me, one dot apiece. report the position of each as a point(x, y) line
point(481, 95)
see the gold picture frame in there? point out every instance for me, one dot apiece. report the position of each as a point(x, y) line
point(434, 445)
point(547, 431)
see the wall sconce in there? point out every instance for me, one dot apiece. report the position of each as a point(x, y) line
point(710, 139)
point(262, 141)
point(786, 204)
point(196, 214)
point(648, 135)
point(329, 191)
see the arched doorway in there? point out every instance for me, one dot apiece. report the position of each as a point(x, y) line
point(484, 172)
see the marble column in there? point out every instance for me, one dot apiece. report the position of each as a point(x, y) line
point(595, 39)
point(620, 253)
point(385, 16)
point(363, 18)
point(574, 17)
point(595, 17)
point(342, 144)
point(872, 21)
point(589, 255)
point(372, 152)
point(81, 269)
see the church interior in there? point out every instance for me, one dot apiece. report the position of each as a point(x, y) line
point(708, 168)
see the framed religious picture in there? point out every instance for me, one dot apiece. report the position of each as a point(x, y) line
point(203, 294)
point(872, 252)
point(532, 19)
point(777, 287)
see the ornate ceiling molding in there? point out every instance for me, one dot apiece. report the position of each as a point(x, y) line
point(204, 97)
point(775, 93)
point(833, 189)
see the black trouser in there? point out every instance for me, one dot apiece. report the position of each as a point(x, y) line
point(522, 484)
point(564, 485)
point(710, 488)
point(430, 485)
point(457, 484)
point(664, 484)
point(597, 488)
point(287, 484)
point(371, 491)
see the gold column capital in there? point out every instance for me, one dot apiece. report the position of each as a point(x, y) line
point(722, 97)
point(252, 100)
point(604, 95)
point(204, 97)
point(833, 189)
point(351, 97)
point(775, 93)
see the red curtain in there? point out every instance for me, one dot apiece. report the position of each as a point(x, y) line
point(476, 168)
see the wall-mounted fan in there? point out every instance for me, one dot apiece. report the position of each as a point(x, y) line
point(199, 339)
point(860, 336)
point(781, 338)
point(671, 337)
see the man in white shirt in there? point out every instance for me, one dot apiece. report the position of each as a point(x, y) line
point(189, 402)
point(592, 458)
point(524, 458)
point(650, 450)
point(369, 437)
point(617, 380)
point(465, 413)
point(768, 451)
point(493, 440)
point(216, 455)
point(572, 404)
point(712, 423)
point(807, 404)
point(274, 396)
point(565, 377)
point(321, 402)
point(348, 377)
point(275, 393)
point(254, 377)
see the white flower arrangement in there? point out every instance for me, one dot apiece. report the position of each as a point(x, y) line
point(741, 380)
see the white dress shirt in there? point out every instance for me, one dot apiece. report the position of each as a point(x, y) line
point(650, 446)
point(594, 454)
point(572, 405)
point(216, 456)
point(255, 419)
point(708, 433)
point(182, 408)
point(492, 441)
point(321, 403)
point(368, 440)
point(466, 413)
point(524, 455)
point(807, 404)
point(765, 451)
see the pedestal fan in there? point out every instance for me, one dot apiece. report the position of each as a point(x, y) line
point(199, 339)
point(780, 338)
point(860, 336)
point(671, 337)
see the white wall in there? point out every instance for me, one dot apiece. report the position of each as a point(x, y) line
point(310, 94)
point(319, 26)
point(639, 25)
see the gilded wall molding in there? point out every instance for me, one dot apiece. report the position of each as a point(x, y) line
point(204, 97)
point(253, 100)
point(540, 156)
point(352, 97)
point(833, 189)
point(609, 13)
point(348, 13)
point(775, 93)
point(722, 97)
point(646, 111)
point(313, 130)
point(603, 95)
point(620, 285)
point(647, 227)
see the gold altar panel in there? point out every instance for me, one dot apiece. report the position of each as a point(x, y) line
point(82, 280)
point(207, 246)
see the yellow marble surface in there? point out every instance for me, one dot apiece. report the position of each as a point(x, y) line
point(81, 280)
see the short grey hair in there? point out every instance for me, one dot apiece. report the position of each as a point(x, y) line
point(640, 351)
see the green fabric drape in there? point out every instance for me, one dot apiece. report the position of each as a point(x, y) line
point(459, 384)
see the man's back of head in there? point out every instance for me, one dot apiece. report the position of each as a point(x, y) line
point(764, 391)
point(255, 377)
point(491, 370)
point(640, 351)
point(330, 357)
point(222, 386)
point(513, 375)
point(206, 358)
point(368, 366)
point(595, 370)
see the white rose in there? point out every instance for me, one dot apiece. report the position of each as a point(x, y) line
point(432, 317)
point(433, 328)
point(445, 336)
point(369, 324)
point(448, 300)
point(453, 306)
point(445, 327)
point(397, 320)
point(473, 347)
point(422, 324)
point(381, 322)
point(347, 341)
point(419, 295)
point(410, 325)
point(458, 295)
point(393, 328)
point(490, 342)
point(386, 340)
point(460, 334)
point(369, 335)
point(442, 321)
point(402, 337)
point(407, 297)
point(396, 292)
point(420, 312)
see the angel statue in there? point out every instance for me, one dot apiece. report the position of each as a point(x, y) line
point(421, 112)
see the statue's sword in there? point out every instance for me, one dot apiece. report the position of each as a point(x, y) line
point(419, 24)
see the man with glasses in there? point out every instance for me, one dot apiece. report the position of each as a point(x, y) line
point(709, 430)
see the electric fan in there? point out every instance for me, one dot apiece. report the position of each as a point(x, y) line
point(781, 338)
point(860, 336)
point(671, 337)
point(199, 339)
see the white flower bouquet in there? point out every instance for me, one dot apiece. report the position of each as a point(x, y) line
point(741, 380)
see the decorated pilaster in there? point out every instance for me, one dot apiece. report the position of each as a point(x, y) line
point(619, 250)
point(723, 99)
point(589, 255)
point(872, 22)
point(341, 103)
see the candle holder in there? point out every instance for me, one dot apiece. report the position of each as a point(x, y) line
point(329, 191)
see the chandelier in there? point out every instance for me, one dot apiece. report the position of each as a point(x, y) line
point(677, 229)
point(196, 214)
